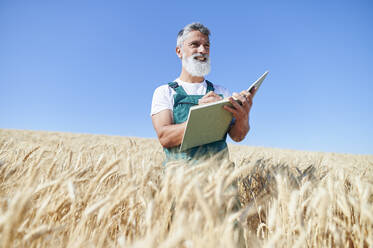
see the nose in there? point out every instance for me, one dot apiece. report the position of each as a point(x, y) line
point(202, 49)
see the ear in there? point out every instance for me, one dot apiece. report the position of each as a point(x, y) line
point(179, 52)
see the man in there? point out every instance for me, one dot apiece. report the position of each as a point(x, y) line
point(171, 102)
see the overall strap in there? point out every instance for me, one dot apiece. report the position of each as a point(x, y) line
point(177, 88)
point(210, 86)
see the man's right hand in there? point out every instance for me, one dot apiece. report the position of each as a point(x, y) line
point(209, 97)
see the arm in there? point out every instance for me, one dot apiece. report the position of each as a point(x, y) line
point(241, 113)
point(169, 134)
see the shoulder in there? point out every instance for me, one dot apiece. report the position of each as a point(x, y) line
point(162, 99)
point(163, 91)
point(163, 88)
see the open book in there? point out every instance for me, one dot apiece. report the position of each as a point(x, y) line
point(210, 122)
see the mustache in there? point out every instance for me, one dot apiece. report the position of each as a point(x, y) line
point(200, 55)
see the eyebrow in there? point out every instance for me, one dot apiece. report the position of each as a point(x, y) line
point(196, 41)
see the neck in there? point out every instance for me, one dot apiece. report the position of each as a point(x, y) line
point(187, 77)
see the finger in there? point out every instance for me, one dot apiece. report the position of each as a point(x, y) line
point(235, 104)
point(250, 98)
point(218, 97)
point(232, 110)
point(210, 94)
point(244, 93)
point(215, 97)
point(209, 99)
point(244, 108)
point(239, 97)
point(246, 105)
point(253, 91)
point(236, 113)
point(206, 99)
point(207, 95)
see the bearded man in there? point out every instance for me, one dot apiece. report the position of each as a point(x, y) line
point(172, 101)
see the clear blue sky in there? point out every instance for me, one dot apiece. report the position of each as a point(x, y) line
point(92, 66)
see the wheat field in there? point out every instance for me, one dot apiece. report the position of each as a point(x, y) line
point(80, 190)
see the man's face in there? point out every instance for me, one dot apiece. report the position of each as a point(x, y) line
point(196, 42)
point(195, 53)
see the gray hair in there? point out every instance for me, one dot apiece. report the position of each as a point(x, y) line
point(195, 26)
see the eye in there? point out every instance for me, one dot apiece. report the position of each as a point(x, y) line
point(194, 44)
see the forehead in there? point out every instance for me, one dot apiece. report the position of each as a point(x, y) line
point(196, 36)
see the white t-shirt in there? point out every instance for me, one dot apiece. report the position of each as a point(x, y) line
point(163, 97)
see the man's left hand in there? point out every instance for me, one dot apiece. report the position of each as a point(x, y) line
point(241, 113)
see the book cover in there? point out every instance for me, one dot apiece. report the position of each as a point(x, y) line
point(206, 123)
point(210, 122)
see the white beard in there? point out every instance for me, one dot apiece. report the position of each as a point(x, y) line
point(195, 67)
